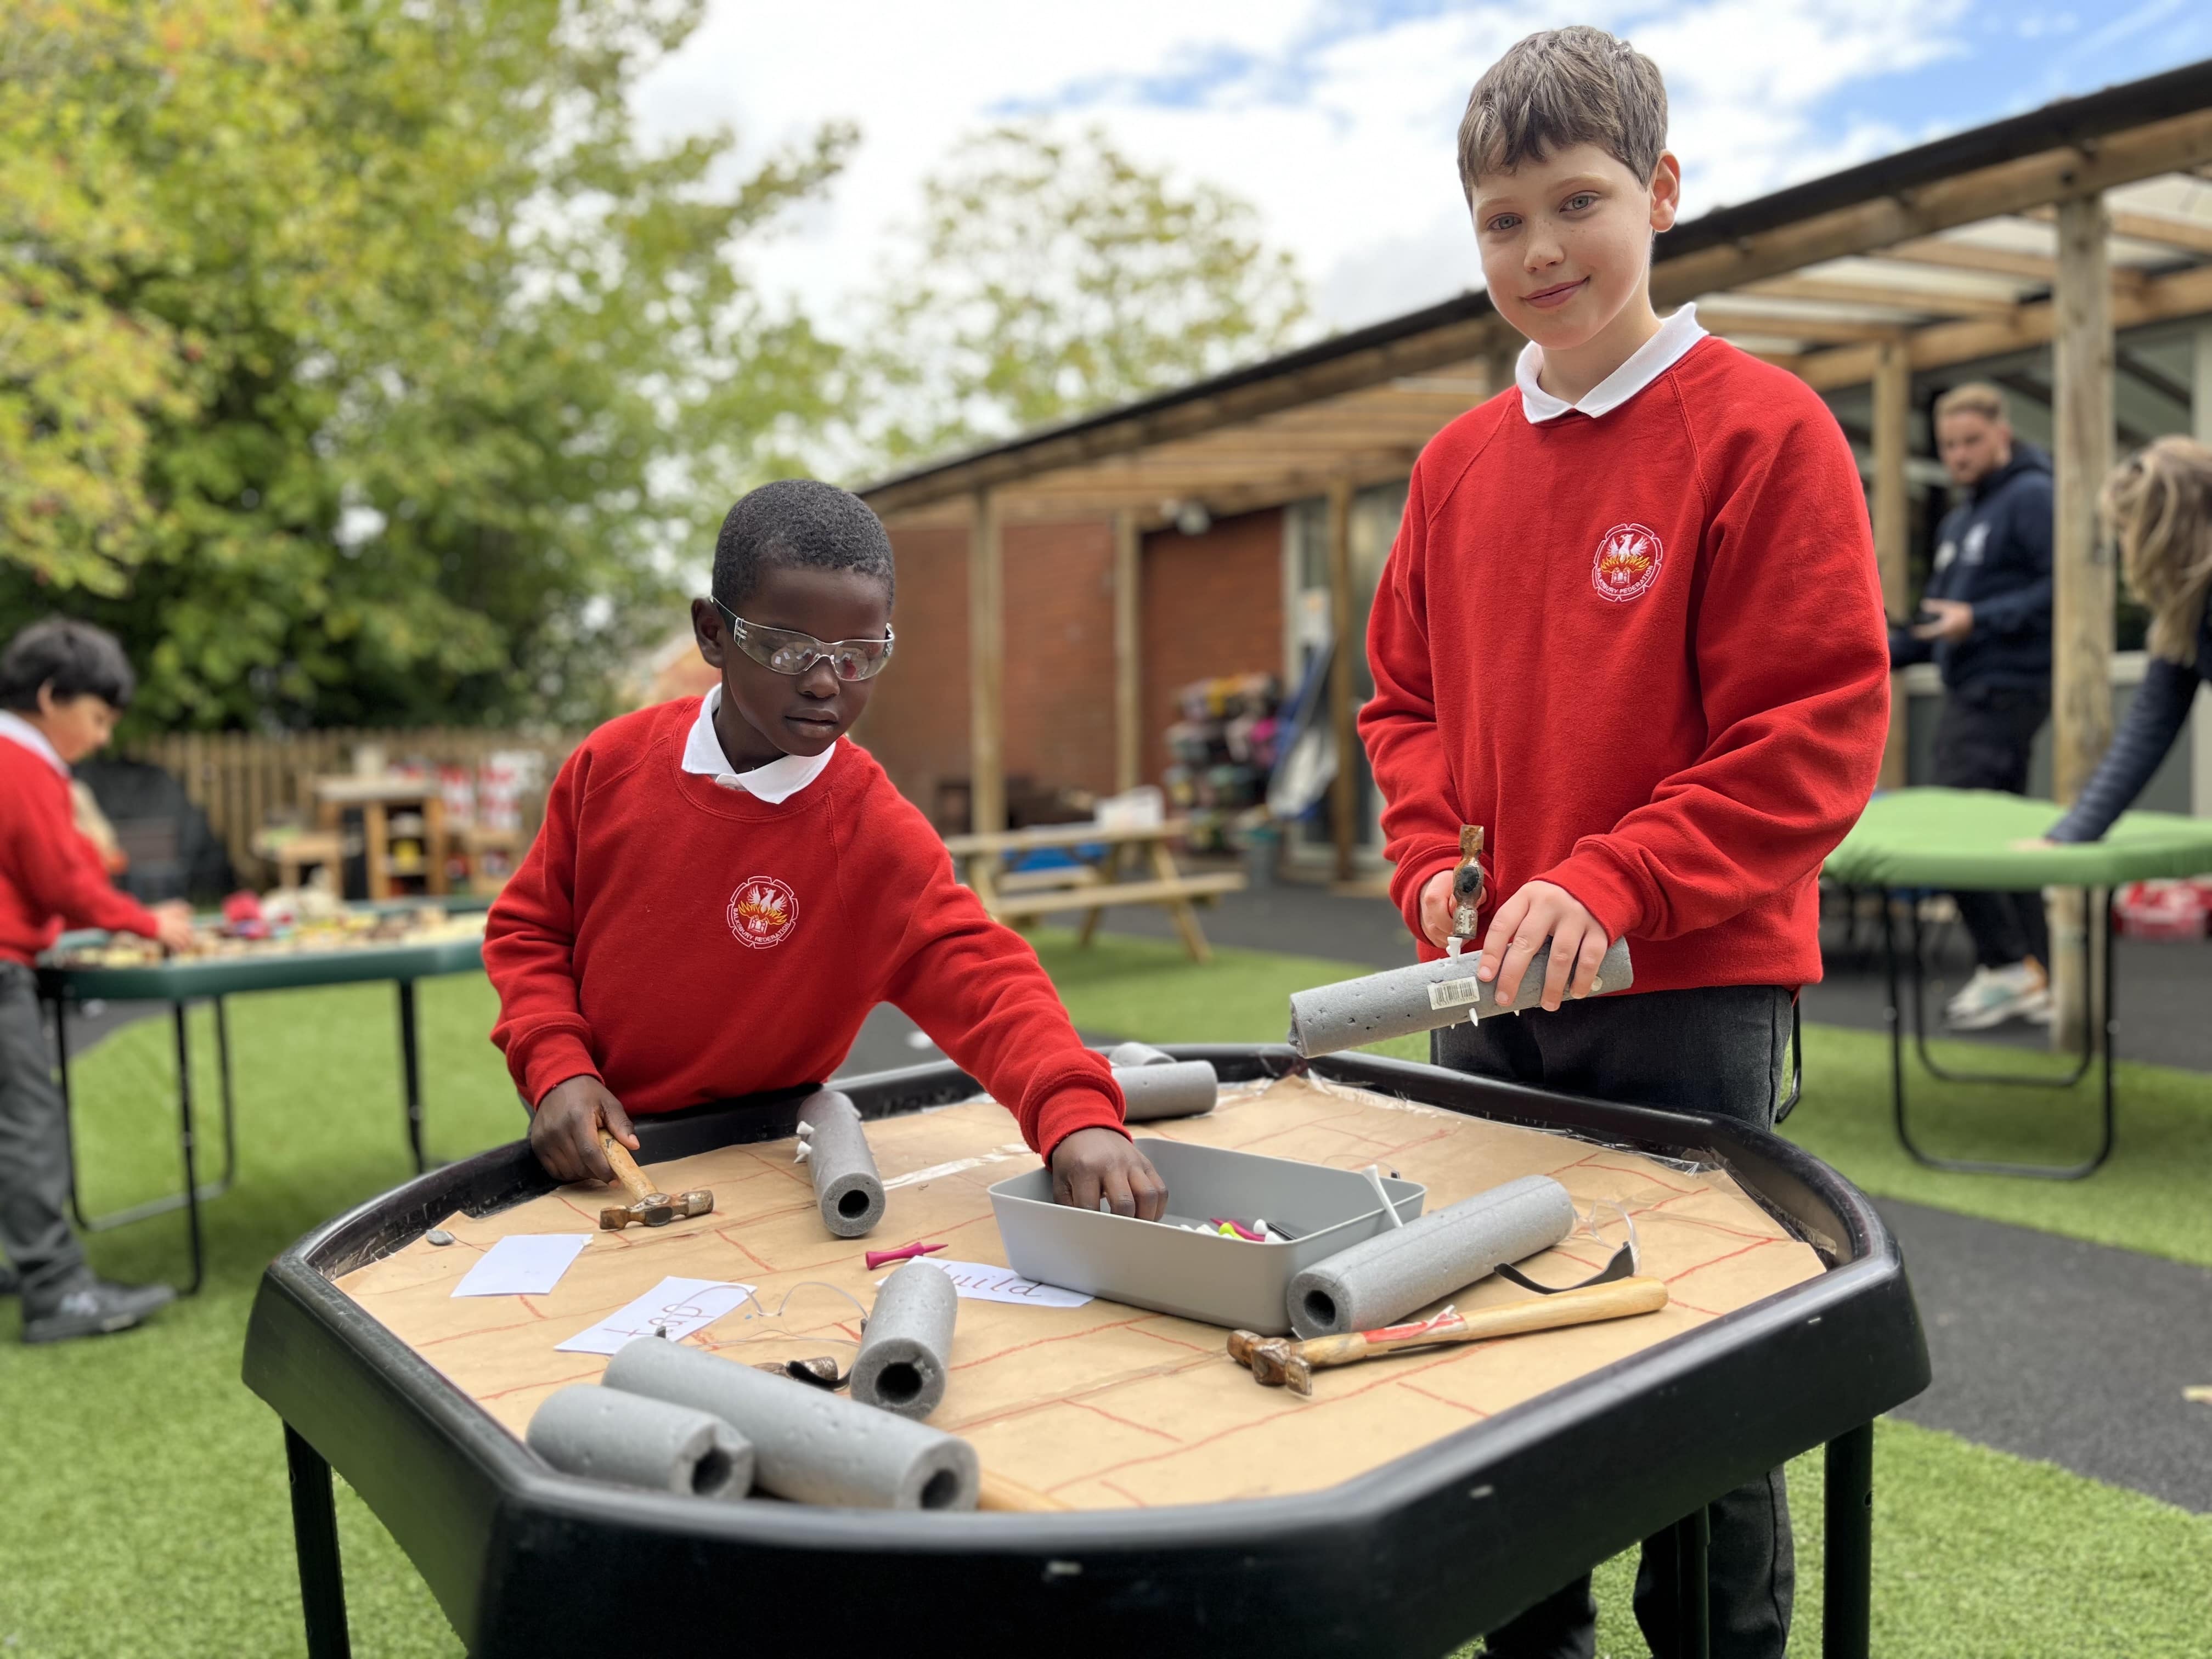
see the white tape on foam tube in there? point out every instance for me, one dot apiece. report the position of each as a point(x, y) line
point(1454, 993)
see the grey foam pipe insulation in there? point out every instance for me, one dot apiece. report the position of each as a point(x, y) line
point(1127, 1055)
point(603, 1434)
point(1403, 1001)
point(835, 1151)
point(1179, 1088)
point(809, 1445)
point(905, 1349)
point(1381, 1280)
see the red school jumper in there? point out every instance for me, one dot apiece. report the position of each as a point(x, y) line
point(50, 874)
point(1646, 652)
point(683, 942)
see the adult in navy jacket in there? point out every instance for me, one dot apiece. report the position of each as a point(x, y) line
point(1986, 620)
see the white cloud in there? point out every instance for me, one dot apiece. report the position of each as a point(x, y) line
point(1342, 133)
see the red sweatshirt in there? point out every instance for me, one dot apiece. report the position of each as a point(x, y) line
point(49, 875)
point(1646, 652)
point(683, 942)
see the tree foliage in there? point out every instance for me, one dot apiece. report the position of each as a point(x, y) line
point(1050, 276)
point(357, 363)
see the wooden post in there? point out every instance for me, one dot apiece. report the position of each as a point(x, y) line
point(2081, 568)
point(1343, 791)
point(1128, 657)
point(1891, 510)
point(986, 647)
point(2200, 722)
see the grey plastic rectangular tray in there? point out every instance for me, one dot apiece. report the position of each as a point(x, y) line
point(1203, 1276)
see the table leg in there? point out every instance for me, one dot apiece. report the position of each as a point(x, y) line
point(315, 1537)
point(410, 1073)
point(2101, 1017)
point(1186, 918)
point(69, 1106)
point(1847, 1604)
point(184, 1145)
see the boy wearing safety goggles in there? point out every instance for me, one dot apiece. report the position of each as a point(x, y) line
point(725, 886)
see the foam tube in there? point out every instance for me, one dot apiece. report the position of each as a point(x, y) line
point(1383, 1279)
point(1136, 1053)
point(605, 1434)
point(1421, 997)
point(906, 1348)
point(845, 1184)
point(1181, 1088)
point(809, 1445)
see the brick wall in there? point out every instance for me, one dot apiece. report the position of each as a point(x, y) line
point(1213, 605)
point(1059, 669)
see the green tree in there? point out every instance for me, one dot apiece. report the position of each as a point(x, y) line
point(363, 365)
point(1051, 276)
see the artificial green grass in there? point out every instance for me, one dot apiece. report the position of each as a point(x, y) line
point(147, 1512)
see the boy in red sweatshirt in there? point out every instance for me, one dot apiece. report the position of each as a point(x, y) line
point(1632, 626)
point(62, 684)
point(724, 887)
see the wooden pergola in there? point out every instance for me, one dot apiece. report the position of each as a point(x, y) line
point(2053, 229)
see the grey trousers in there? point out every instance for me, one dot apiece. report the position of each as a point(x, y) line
point(1719, 1049)
point(34, 1170)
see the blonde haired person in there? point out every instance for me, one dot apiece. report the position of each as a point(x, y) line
point(2157, 505)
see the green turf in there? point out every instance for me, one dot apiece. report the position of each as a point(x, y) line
point(146, 1511)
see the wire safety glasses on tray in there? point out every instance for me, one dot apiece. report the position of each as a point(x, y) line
point(784, 651)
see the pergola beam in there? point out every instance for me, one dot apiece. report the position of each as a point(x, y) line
point(1919, 299)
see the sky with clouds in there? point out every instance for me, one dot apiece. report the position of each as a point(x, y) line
point(1337, 117)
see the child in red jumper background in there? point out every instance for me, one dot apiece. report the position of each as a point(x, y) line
point(1632, 626)
point(62, 684)
point(724, 887)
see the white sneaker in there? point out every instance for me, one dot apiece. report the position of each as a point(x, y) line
point(1994, 995)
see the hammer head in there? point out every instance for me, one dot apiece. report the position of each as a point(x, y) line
point(656, 1210)
point(1271, 1361)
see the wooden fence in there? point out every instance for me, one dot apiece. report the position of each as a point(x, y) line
point(245, 781)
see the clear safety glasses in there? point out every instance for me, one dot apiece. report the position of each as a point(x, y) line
point(784, 652)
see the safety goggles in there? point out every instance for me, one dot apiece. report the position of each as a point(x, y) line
point(783, 652)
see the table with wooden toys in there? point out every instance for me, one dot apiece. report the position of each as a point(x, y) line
point(303, 940)
point(1125, 1481)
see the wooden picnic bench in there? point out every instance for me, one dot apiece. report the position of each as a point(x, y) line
point(1090, 884)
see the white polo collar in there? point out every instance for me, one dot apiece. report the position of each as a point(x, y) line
point(775, 783)
point(16, 729)
point(1650, 360)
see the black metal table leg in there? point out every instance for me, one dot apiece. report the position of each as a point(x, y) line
point(1693, 1535)
point(184, 1145)
point(1847, 1608)
point(2102, 1019)
point(69, 1105)
point(410, 1070)
point(315, 1537)
point(203, 1193)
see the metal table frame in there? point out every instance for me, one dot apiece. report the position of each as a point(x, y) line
point(181, 983)
point(2100, 1025)
point(1381, 1561)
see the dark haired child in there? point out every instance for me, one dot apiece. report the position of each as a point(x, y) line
point(62, 684)
point(1630, 626)
point(725, 886)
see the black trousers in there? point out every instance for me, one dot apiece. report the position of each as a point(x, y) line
point(1719, 1049)
point(1984, 738)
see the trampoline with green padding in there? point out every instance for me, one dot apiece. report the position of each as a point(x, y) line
point(1971, 840)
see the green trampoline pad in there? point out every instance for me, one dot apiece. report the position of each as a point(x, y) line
point(1965, 839)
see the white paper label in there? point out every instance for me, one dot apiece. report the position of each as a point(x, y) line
point(979, 1281)
point(524, 1264)
point(676, 1307)
point(1455, 993)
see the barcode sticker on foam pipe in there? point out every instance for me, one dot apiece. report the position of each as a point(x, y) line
point(1454, 993)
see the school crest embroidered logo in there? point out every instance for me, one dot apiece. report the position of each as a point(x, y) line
point(1628, 560)
point(762, 912)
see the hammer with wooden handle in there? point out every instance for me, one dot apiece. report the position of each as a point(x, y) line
point(1277, 1361)
point(647, 1204)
